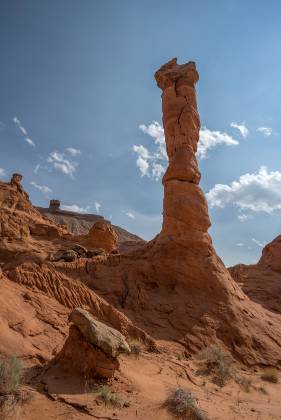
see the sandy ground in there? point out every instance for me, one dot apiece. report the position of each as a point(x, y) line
point(144, 382)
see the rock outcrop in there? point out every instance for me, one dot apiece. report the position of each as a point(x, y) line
point(177, 288)
point(21, 224)
point(262, 281)
point(101, 235)
point(92, 348)
point(185, 208)
point(81, 223)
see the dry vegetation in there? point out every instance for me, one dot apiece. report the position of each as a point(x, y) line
point(216, 363)
point(182, 404)
point(10, 379)
point(111, 398)
point(270, 375)
point(219, 364)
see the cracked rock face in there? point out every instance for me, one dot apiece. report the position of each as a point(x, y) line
point(185, 207)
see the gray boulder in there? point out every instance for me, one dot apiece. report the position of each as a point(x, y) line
point(109, 340)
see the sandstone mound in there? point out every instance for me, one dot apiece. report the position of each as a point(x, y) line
point(92, 348)
point(262, 281)
point(101, 235)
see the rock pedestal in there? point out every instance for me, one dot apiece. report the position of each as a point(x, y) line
point(92, 348)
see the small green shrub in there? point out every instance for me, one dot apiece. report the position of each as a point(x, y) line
point(10, 375)
point(110, 398)
point(182, 404)
point(270, 375)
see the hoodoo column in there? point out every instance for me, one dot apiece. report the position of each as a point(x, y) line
point(185, 207)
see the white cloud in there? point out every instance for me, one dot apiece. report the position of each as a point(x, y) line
point(62, 164)
point(257, 192)
point(152, 163)
point(2, 173)
point(27, 139)
point(209, 139)
point(75, 208)
point(42, 188)
point(244, 217)
point(73, 152)
point(37, 167)
point(259, 243)
point(240, 127)
point(240, 244)
point(97, 206)
point(130, 215)
point(267, 131)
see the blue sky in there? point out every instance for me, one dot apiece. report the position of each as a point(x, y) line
point(79, 104)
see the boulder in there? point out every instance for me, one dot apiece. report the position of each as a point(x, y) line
point(95, 252)
point(108, 339)
point(66, 255)
point(80, 250)
point(101, 235)
point(92, 348)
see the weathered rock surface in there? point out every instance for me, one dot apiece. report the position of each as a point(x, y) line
point(101, 235)
point(82, 358)
point(22, 227)
point(109, 340)
point(177, 288)
point(80, 224)
point(92, 347)
point(262, 281)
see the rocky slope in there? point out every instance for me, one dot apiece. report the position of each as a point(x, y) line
point(262, 281)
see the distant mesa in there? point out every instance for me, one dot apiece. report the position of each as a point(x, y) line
point(81, 223)
point(54, 205)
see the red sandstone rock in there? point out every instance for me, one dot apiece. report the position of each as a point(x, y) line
point(176, 287)
point(179, 272)
point(262, 281)
point(101, 235)
point(92, 348)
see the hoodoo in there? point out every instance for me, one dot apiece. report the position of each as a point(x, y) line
point(176, 287)
point(185, 207)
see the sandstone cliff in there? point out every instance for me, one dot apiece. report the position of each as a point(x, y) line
point(262, 281)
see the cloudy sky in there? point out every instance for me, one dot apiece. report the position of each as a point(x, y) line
point(80, 113)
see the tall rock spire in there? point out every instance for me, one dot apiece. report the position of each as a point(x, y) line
point(185, 207)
